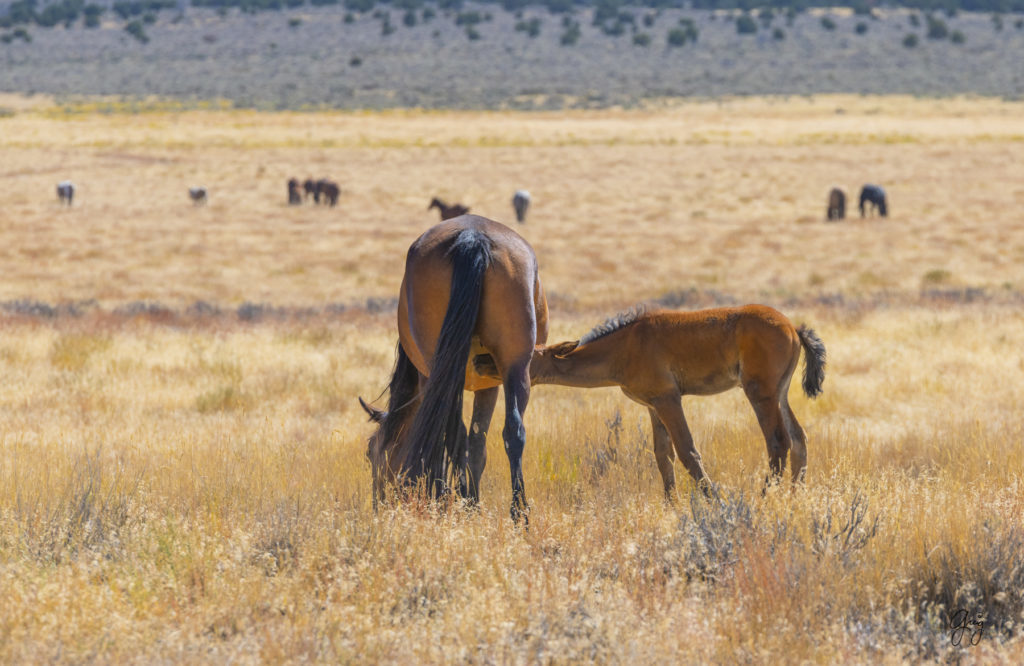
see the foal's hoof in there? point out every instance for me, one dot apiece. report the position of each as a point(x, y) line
point(708, 489)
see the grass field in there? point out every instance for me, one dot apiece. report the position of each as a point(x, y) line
point(189, 483)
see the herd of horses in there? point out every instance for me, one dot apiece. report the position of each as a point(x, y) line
point(472, 316)
point(873, 195)
point(321, 191)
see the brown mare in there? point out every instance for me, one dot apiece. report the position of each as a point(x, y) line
point(836, 205)
point(656, 357)
point(329, 190)
point(447, 212)
point(294, 196)
point(471, 286)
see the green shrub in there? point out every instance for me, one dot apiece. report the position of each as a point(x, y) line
point(690, 28)
point(468, 18)
point(531, 27)
point(861, 7)
point(828, 23)
point(746, 25)
point(778, 34)
point(571, 34)
point(361, 6)
point(861, 28)
point(92, 15)
point(641, 39)
point(409, 18)
point(472, 33)
point(135, 29)
point(294, 22)
point(910, 40)
point(937, 28)
point(957, 37)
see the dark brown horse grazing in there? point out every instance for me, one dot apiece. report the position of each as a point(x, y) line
point(471, 286)
point(656, 357)
point(836, 205)
point(447, 212)
point(309, 186)
point(329, 190)
point(875, 196)
point(65, 192)
point(294, 196)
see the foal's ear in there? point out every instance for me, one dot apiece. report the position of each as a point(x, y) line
point(376, 415)
point(563, 349)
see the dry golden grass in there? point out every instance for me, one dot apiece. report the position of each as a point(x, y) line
point(196, 490)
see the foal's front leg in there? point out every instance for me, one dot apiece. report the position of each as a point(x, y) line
point(663, 454)
point(670, 410)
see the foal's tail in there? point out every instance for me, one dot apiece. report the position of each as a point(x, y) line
point(814, 361)
point(436, 433)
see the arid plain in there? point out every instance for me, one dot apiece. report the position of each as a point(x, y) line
point(182, 471)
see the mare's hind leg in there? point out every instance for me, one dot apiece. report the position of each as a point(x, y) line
point(773, 426)
point(670, 412)
point(483, 409)
point(517, 395)
point(663, 454)
point(798, 454)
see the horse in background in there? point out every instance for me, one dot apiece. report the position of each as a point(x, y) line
point(65, 192)
point(521, 203)
point(471, 286)
point(198, 195)
point(656, 357)
point(294, 195)
point(874, 195)
point(330, 191)
point(309, 186)
point(447, 212)
point(836, 205)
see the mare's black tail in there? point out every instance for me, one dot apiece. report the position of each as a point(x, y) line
point(436, 437)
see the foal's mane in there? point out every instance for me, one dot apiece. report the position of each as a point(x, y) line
point(619, 321)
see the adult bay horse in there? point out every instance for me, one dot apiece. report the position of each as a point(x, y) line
point(521, 203)
point(447, 212)
point(836, 205)
point(294, 196)
point(656, 357)
point(874, 195)
point(65, 192)
point(471, 286)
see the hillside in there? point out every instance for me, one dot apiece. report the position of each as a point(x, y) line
point(475, 57)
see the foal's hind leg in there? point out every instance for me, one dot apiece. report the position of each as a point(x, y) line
point(483, 409)
point(773, 426)
point(663, 454)
point(798, 454)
